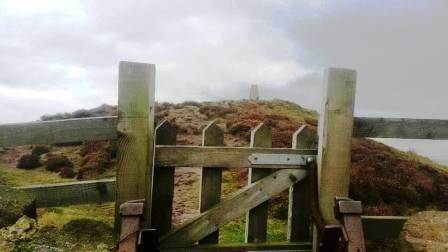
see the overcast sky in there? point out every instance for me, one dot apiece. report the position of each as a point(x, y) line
point(59, 56)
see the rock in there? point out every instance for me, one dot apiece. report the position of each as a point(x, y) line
point(39, 150)
point(23, 229)
point(56, 163)
point(13, 205)
point(28, 162)
point(425, 231)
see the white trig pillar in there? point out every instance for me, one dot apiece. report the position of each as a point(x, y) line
point(254, 95)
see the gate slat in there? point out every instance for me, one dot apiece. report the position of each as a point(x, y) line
point(210, 191)
point(257, 218)
point(163, 183)
point(299, 210)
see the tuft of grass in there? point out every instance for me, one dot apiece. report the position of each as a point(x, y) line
point(10, 176)
point(295, 112)
point(59, 216)
point(73, 228)
point(233, 232)
point(412, 155)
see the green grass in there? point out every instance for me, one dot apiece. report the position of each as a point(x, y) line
point(53, 222)
point(233, 232)
point(411, 155)
point(73, 228)
point(11, 176)
point(59, 216)
point(295, 112)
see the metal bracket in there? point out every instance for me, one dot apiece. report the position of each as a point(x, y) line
point(279, 160)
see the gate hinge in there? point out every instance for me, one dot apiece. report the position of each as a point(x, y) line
point(280, 160)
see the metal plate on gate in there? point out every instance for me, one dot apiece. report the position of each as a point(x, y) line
point(279, 160)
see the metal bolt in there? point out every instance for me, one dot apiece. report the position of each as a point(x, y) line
point(309, 159)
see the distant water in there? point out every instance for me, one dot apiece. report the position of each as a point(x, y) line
point(436, 150)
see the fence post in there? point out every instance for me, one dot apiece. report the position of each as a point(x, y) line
point(135, 128)
point(211, 178)
point(335, 138)
point(163, 183)
point(257, 218)
point(299, 211)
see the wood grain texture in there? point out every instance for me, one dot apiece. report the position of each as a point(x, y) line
point(210, 190)
point(232, 157)
point(299, 210)
point(229, 209)
point(257, 218)
point(73, 193)
point(400, 128)
point(60, 131)
point(163, 183)
point(335, 137)
point(135, 140)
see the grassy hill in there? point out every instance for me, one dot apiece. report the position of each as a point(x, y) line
point(386, 180)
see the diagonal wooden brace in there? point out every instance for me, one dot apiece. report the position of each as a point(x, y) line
point(131, 213)
point(231, 208)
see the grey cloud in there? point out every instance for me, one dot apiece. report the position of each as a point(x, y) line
point(215, 49)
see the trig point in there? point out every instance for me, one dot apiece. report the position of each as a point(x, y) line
point(254, 95)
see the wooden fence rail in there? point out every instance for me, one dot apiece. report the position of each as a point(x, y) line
point(72, 193)
point(403, 128)
point(105, 128)
point(60, 131)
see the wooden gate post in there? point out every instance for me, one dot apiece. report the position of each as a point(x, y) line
point(335, 138)
point(135, 136)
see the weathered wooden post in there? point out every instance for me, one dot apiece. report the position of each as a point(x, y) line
point(257, 218)
point(135, 128)
point(335, 138)
point(299, 211)
point(211, 178)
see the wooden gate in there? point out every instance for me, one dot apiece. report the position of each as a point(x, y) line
point(147, 158)
point(147, 172)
